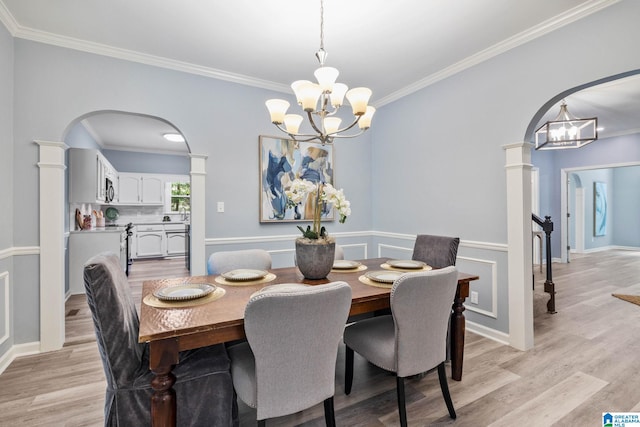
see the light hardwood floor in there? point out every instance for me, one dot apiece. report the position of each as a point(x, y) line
point(585, 362)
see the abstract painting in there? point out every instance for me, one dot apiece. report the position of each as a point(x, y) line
point(282, 161)
point(599, 208)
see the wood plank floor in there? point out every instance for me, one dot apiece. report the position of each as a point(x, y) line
point(585, 362)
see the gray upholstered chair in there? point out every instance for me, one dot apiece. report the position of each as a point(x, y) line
point(204, 373)
point(412, 339)
point(288, 362)
point(220, 262)
point(436, 251)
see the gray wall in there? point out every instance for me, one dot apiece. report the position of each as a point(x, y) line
point(432, 163)
point(6, 185)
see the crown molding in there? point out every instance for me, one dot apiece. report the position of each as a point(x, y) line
point(143, 58)
point(532, 33)
point(539, 30)
point(8, 20)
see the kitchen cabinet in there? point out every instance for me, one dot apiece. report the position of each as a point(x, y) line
point(176, 239)
point(140, 189)
point(88, 174)
point(159, 240)
point(85, 244)
point(150, 241)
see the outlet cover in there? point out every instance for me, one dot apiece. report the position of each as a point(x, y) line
point(474, 297)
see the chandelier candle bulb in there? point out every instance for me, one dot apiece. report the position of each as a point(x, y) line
point(277, 109)
point(326, 78)
point(292, 122)
point(365, 120)
point(337, 94)
point(309, 94)
point(332, 124)
point(358, 98)
point(296, 89)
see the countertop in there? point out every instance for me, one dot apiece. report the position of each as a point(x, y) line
point(118, 229)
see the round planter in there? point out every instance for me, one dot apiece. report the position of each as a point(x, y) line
point(314, 257)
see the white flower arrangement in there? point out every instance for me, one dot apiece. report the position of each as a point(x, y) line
point(324, 193)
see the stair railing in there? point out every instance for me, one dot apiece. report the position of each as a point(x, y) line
point(549, 286)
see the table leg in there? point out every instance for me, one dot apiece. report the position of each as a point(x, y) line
point(163, 357)
point(457, 331)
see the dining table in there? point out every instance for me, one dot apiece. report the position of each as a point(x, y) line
point(171, 328)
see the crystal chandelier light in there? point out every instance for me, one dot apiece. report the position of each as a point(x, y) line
point(329, 95)
point(566, 131)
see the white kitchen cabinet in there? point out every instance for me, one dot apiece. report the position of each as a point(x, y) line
point(141, 189)
point(85, 244)
point(88, 173)
point(150, 241)
point(176, 239)
point(159, 240)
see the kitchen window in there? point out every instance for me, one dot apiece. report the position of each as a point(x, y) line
point(180, 197)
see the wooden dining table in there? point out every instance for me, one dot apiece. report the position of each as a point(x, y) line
point(172, 330)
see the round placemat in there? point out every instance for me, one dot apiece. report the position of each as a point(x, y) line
point(406, 270)
point(152, 301)
point(361, 267)
point(266, 279)
point(364, 279)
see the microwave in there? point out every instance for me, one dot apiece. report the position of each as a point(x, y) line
point(110, 192)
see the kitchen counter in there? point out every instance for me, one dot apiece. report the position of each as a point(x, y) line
point(117, 229)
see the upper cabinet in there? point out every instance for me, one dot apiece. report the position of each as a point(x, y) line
point(92, 179)
point(141, 189)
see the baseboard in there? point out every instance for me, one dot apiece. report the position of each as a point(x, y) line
point(492, 334)
point(18, 351)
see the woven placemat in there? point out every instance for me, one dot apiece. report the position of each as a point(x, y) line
point(361, 267)
point(406, 270)
point(270, 277)
point(634, 299)
point(152, 301)
point(364, 279)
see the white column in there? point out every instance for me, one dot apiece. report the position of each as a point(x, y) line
point(198, 214)
point(52, 264)
point(518, 174)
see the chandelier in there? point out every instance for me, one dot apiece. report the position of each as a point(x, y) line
point(566, 131)
point(329, 97)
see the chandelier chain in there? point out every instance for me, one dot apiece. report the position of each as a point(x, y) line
point(321, 24)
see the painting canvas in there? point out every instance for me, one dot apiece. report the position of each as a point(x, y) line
point(283, 160)
point(599, 208)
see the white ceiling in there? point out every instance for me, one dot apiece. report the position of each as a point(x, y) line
point(393, 47)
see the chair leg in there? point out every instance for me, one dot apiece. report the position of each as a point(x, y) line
point(402, 406)
point(262, 423)
point(442, 375)
point(348, 371)
point(329, 414)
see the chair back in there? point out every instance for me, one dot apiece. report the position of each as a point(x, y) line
point(294, 331)
point(115, 319)
point(339, 254)
point(420, 305)
point(436, 251)
point(221, 262)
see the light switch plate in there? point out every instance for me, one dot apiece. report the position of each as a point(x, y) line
point(220, 207)
point(474, 297)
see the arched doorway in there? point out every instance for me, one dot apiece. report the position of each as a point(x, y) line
point(52, 227)
point(520, 317)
